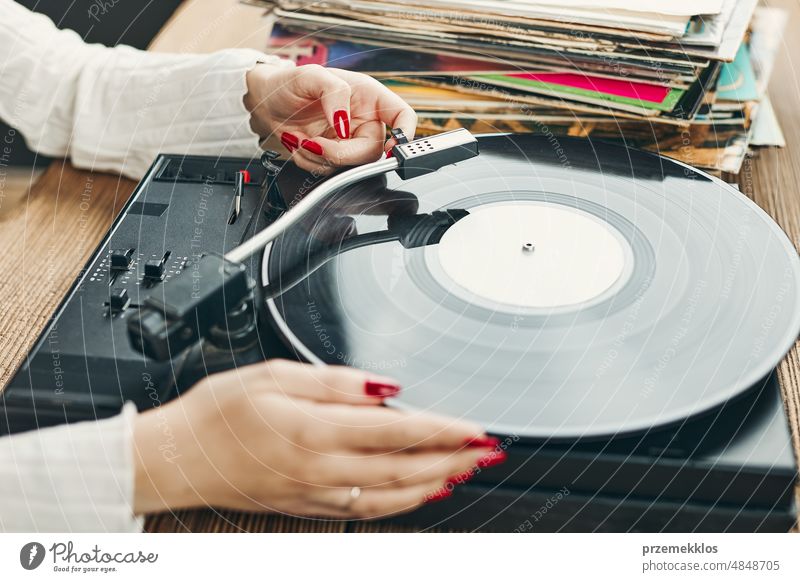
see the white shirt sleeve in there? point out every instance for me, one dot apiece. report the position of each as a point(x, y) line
point(115, 109)
point(71, 478)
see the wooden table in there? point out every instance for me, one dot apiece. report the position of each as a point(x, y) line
point(49, 235)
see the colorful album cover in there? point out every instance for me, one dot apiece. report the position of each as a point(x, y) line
point(374, 60)
point(737, 82)
point(579, 86)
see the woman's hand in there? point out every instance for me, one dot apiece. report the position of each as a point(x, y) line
point(294, 438)
point(325, 117)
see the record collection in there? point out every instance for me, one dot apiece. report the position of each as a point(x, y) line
point(687, 79)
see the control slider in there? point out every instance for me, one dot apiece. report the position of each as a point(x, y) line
point(154, 269)
point(121, 260)
point(118, 300)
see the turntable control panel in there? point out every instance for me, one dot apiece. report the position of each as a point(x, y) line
point(184, 211)
point(142, 272)
point(185, 207)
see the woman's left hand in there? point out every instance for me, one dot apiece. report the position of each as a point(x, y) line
point(326, 118)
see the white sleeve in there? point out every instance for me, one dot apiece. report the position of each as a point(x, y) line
point(70, 478)
point(115, 109)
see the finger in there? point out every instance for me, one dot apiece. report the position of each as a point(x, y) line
point(316, 165)
point(333, 93)
point(382, 503)
point(396, 113)
point(297, 145)
point(313, 164)
point(380, 428)
point(389, 107)
point(366, 145)
point(338, 384)
point(307, 153)
point(401, 469)
point(290, 142)
point(375, 503)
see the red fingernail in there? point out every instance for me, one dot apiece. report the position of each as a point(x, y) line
point(246, 176)
point(312, 146)
point(287, 145)
point(289, 141)
point(461, 478)
point(483, 442)
point(492, 459)
point(390, 153)
point(341, 124)
point(382, 389)
point(440, 494)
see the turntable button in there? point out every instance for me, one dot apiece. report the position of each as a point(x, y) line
point(121, 259)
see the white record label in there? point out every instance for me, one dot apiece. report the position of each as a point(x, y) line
point(533, 255)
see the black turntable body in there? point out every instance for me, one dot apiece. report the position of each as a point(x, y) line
point(643, 401)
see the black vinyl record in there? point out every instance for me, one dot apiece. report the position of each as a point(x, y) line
point(551, 288)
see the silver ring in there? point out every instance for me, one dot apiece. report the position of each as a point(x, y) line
point(355, 493)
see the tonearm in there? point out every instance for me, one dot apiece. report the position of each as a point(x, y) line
point(214, 286)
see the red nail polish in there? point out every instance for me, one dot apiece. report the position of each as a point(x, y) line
point(492, 459)
point(312, 146)
point(390, 153)
point(289, 141)
point(461, 478)
point(382, 389)
point(341, 124)
point(483, 442)
point(440, 494)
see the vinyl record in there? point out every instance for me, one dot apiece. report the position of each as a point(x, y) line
point(551, 288)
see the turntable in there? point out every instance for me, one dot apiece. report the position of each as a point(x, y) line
point(614, 316)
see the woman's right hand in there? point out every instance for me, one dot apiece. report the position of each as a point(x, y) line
point(285, 437)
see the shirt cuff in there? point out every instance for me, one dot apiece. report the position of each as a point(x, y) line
point(179, 104)
point(70, 478)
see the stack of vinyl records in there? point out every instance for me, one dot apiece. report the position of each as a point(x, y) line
point(685, 78)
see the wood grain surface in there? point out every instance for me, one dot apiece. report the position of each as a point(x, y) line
point(46, 236)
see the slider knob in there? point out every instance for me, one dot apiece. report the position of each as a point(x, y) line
point(118, 300)
point(154, 269)
point(121, 259)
